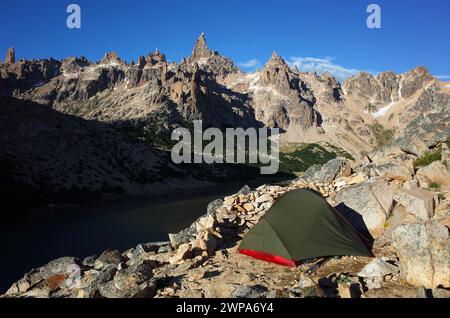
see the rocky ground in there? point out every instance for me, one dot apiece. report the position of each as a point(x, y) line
point(404, 208)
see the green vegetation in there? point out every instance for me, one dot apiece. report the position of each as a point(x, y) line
point(434, 186)
point(340, 152)
point(343, 279)
point(428, 158)
point(297, 158)
point(382, 136)
point(431, 156)
point(151, 132)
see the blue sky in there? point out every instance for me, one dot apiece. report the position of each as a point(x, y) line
point(325, 34)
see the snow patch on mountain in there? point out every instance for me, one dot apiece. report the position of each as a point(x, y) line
point(383, 111)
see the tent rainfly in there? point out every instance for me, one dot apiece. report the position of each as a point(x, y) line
point(302, 225)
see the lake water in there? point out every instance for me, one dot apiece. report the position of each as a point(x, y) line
point(90, 229)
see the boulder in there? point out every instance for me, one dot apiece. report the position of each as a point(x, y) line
point(356, 179)
point(424, 254)
point(90, 260)
point(411, 184)
point(330, 170)
point(413, 145)
point(305, 281)
point(393, 171)
point(307, 292)
point(213, 206)
point(205, 223)
point(347, 171)
point(184, 236)
point(257, 291)
point(417, 201)
point(220, 289)
point(110, 256)
point(41, 281)
point(182, 253)
point(378, 268)
point(399, 216)
point(229, 202)
point(372, 201)
point(264, 198)
point(249, 207)
point(191, 293)
point(436, 173)
point(105, 275)
point(209, 243)
point(153, 247)
point(146, 289)
point(441, 293)
point(374, 282)
point(132, 276)
point(311, 171)
point(244, 191)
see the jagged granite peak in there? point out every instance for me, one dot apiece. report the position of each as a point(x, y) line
point(201, 49)
point(333, 85)
point(10, 56)
point(276, 72)
point(19, 78)
point(72, 65)
point(387, 87)
point(208, 60)
point(327, 77)
point(141, 61)
point(111, 57)
point(281, 98)
point(414, 80)
point(276, 59)
point(366, 86)
point(155, 58)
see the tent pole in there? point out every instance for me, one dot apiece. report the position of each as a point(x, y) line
point(316, 266)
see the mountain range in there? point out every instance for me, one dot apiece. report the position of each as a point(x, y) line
point(77, 125)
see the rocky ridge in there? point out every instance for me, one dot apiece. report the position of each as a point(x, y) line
point(206, 85)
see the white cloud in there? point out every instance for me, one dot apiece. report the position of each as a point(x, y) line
point(321, 65)
point(250, 64)
point(443, 77)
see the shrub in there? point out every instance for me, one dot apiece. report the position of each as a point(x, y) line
point(434, 185)
point(428, 158)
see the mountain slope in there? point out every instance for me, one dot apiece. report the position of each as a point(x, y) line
point(89, 113)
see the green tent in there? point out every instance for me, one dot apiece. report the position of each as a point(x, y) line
point(299, 226)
